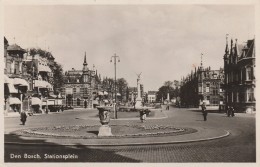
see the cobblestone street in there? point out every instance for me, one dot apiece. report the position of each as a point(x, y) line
point(239, 146)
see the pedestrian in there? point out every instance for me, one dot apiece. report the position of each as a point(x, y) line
point(228, 111)
point(23, 117)
point(142, 116)
point(232, 111)
point(62, 108)
point(204, 111)
point(85, 104)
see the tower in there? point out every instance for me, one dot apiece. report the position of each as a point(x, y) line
point(85, 69)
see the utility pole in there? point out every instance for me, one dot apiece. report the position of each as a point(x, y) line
point(116, 58)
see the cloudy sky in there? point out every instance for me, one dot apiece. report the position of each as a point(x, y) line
point(164, 42)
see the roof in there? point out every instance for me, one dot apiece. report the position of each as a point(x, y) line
point(5, 41)
point(152, 92)
point(15, 47)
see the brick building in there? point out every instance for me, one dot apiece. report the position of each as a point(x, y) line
point(82, 88)
point(203, 85)
point(239, 67)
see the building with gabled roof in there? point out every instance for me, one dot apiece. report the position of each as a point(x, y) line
point(239, 67)
point(81, 87)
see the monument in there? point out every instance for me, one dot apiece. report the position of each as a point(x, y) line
point(138, 103)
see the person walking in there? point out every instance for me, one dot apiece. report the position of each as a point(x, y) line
point(232, 111)
point(23, 117)
point(142, 116)
point(228, 111)
point(204, 111)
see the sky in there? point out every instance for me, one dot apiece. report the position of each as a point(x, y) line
point(164, 42)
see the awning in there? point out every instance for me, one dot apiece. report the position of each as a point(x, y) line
point(95, 102)
point(105, 93)
point(12, 89)
point(7, 79)
point(100, 93)
point(20, 82)
point(44, 68)
point(36, 101)
point(42, 84)
point(38, 83)
point(14, 100)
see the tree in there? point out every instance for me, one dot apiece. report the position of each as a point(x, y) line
point(58, 77)
point(163, 91)
point(56, 69)
point(122, 86)
point(168, 83)
point(171, 87)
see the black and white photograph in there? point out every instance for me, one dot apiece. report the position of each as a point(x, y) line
point(129, 82)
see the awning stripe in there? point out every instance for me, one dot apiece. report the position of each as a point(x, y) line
point(20, 82)
point(7, 79)
point(14, 100)
point(36, 101)
point(12, 89)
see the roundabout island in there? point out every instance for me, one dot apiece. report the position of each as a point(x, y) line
point(125, 131)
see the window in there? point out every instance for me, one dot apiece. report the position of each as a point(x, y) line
point(200, 90)
point(249, 74)
point(68, 90)
point(227, 78)
point(77, 90)
point(215, 91)
point(250, 95)
point(207, 88)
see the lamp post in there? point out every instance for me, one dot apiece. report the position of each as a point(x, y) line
point(116, 58)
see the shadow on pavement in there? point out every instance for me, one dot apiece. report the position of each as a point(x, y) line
point(59, 153)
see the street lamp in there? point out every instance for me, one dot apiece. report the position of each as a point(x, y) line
point(111, 60)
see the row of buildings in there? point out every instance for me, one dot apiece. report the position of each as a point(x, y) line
point(27, 79)
point(29, 83)
point(232, 85)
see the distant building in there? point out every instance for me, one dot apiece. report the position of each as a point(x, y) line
point(151, 95)
point(239, 67)
point(203, 85)
point(82, 87)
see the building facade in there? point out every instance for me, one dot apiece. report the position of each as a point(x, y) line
point(26, 83)
point(151, 96)
point(203, 85)
point(239, 67)
point(82, 88)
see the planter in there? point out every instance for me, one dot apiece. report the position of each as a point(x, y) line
point(104, 116)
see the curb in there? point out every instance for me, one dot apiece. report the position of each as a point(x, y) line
point(125, 144)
